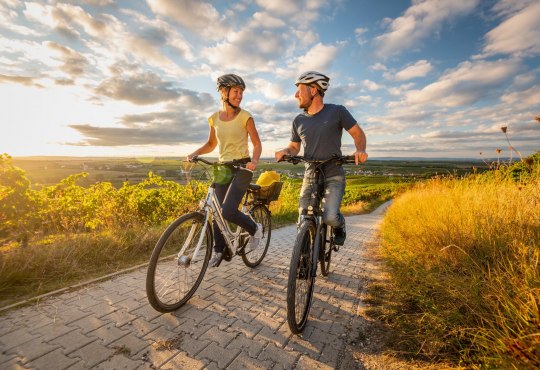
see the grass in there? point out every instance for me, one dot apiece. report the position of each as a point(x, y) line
point(464, 257)
point(59, 261)
point(53, 261)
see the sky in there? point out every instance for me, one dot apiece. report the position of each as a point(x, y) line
point(423, 78)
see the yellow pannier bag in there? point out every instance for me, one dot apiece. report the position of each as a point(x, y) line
point(270, 184)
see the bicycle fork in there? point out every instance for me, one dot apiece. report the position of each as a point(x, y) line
point(316, 245)
point(317, 220)
point(183, 260)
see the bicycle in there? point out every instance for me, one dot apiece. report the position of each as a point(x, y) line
point(314, 243)
point(180, 258)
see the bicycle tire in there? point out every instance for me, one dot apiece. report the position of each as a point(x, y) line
point(261, 214)
point(170, 283)
point(325, 249)
point(301, 280)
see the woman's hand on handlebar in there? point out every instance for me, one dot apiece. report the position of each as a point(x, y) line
point(252, 166)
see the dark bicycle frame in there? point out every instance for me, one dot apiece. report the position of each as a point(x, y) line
point(314, 210)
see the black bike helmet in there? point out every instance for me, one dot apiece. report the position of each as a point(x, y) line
point(227, 81)
point(230, 80)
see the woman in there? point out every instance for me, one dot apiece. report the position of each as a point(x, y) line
point(230, 128)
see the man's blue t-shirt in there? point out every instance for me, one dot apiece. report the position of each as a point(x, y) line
point(321, 133)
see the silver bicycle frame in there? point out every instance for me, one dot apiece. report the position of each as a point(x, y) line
point(212, 210)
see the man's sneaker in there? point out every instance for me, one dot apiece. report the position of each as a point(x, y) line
point(216, 259)
point(227, 254)
point(339, 235)
point(255, 240)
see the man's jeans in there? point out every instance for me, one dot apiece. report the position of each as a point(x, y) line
point(333, 194)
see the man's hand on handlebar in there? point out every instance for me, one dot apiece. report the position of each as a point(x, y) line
point(280, 154)
point(360, 156)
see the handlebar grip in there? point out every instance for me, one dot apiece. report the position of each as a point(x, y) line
point(196, 159)
point(291, 158)
point(285, 158)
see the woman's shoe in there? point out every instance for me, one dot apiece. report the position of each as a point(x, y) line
point(216, 259)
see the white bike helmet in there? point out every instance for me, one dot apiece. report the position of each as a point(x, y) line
point(313, 77)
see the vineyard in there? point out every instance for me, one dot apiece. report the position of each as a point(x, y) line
point(58, 234)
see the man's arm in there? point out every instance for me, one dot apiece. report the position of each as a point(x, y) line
point(292, 149)
point(359, 138)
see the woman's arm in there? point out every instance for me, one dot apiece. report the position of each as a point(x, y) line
point(207, 147)
point(257, 146)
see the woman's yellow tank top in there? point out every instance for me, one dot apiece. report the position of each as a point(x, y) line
point(231, 136)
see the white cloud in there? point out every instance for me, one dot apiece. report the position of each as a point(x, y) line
point(280, 7)
point(318, 58)
point(519, 34)
point(269, 89)
point(371, 85)
point(466, 84)
point(31, 57)
point(266, 20)
point(198, 16)
point(300, 12)
point(418, 22)
point(508, 7)
point(522, 99)
point(247, 50)
point(419, 69)
point(8, 19)
point(399, 90)
point(74, 64)
point(64, 18)
point(378, 67)
point(305, 37)
point(359, 35)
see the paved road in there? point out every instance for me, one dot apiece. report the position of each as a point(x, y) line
point(236, 320)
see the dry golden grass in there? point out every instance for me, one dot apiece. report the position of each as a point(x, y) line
point(60, 261)
point(465, 254)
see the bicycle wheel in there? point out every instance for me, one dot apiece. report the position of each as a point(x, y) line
point(172, 279)
point(301, 278)
point(261, 215)
point(325, 249)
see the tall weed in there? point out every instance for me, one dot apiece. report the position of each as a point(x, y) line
point(465, 254)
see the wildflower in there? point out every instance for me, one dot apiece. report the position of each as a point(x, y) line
point(498, 150)
point(537, 118)
point(510, 147)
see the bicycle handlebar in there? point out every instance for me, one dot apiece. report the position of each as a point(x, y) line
point(295, 159)
point(234, 163)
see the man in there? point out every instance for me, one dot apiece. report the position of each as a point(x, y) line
point(319, 130)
